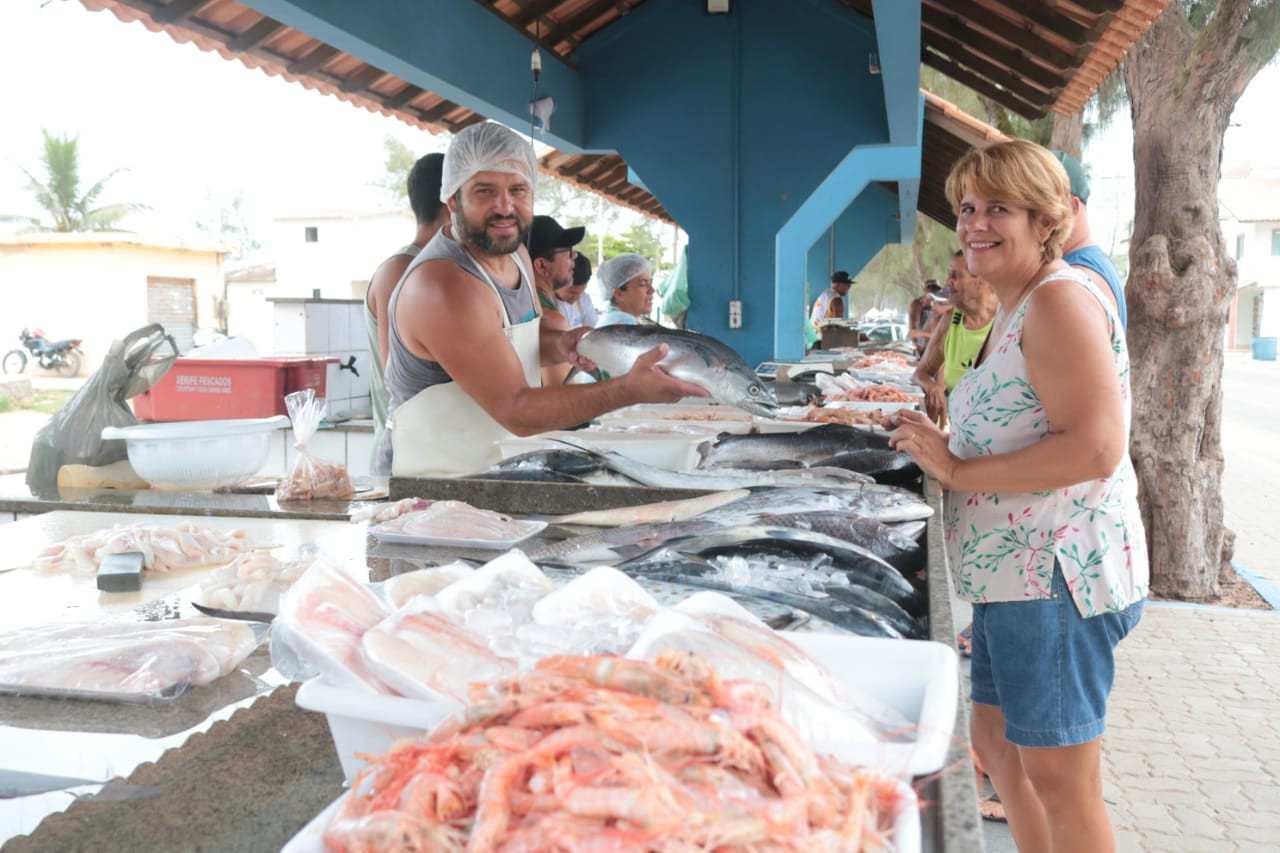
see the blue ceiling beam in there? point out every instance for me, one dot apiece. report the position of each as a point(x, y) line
point(898, 41)
point(455, 48)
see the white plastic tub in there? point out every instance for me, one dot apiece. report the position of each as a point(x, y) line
point(197, 455)
point(917, 677)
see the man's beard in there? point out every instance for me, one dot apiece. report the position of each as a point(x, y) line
point(478, 234)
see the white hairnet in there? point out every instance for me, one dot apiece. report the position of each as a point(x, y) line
point(619, 270)
point(486, 147)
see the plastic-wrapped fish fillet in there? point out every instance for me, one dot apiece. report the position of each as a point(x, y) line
point(455, 520)
point(122, 661)
point(426, 656)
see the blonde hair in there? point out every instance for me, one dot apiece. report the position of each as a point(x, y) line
point(1024, 174)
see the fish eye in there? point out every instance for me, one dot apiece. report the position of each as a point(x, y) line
point(753, 390)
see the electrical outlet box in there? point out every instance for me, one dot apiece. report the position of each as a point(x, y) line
point(735, 314)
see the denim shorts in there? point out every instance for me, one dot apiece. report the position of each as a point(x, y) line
point(1048, 669)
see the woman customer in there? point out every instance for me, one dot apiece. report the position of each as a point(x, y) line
point(628, 279)
point(1041, 512)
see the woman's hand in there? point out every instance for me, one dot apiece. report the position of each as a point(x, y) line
point(920, 437)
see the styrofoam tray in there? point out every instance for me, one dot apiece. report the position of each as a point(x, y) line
point(906, 828)
point(917, 677)
point(527, 528)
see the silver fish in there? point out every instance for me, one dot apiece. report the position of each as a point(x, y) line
point(694, 358)
point(801, 448)
point(612, 546)
point(725, 478)
point(886, 504)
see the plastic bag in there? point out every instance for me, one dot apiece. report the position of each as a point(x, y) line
point(311, 476)
point(122, 661)
point(74, 434)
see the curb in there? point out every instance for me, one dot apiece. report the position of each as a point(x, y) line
point(1263, 587)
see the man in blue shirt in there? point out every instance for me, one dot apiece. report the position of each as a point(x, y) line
point(1080, 250)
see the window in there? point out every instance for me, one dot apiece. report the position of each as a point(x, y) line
point(312, 234)
point(1275, 241)
point(1240, 246)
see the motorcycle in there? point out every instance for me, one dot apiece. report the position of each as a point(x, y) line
point(62, 357)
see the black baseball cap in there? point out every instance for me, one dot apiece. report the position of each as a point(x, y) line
point(546, 236)
point(840, 277)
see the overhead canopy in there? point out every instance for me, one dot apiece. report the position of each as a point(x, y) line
point(1031, 57)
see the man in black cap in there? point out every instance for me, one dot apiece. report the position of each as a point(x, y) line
point(553, 255)
point(832, 304)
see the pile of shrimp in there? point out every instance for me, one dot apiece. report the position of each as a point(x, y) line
point(848, 417)
point(606, 753)
point(875, 394)
point(882, 358)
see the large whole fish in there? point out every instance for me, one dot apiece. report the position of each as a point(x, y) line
point(894, 546)
point(611, 546)
point(725, 478)
point(692, 357)
point(665, 565)
point(887, 504)
point(651, 513)
point(756, 450)
point(857, 563)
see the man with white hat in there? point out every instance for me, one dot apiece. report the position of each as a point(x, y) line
point(467, 343)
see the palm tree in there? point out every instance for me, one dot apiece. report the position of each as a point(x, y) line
point(59, 192)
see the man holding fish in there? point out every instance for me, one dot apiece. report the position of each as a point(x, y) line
point(466, 342)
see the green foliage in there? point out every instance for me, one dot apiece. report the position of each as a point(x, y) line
point(230, 226)
point(58, 192)
point(399, 162)
point(6, 404)
point(898, 271)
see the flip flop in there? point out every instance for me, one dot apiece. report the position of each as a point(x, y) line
point(992, 809)
point(964, 641)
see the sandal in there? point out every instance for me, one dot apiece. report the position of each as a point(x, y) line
point(964, 641)
point(992, 809)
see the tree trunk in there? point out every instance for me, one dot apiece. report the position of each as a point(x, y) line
point(1067, 133)
point(1183, 85)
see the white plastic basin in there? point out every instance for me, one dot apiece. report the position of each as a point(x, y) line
point(197, 455)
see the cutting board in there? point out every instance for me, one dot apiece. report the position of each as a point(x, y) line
point(28, 597)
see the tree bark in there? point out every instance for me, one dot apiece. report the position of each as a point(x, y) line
point(1183, 85)
point(1067, 134)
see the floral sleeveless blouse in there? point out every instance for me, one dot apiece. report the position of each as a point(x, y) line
point(1002, 547)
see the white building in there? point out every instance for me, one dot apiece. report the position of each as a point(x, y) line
point(1249, 201)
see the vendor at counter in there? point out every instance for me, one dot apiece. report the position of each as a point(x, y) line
point(628, 279)
point(466, 342)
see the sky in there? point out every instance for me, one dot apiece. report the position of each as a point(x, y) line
point(190, 125)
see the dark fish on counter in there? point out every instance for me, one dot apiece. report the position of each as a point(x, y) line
point(620, 543)
point(859, 565)
point(873, 602)
point(889, 543)
point(884, 466)
point(724, 478)
point(807, 447)
point(671, 567)
point(530, 475)
point(692, 357)
point(561, 460)
point(883, 503)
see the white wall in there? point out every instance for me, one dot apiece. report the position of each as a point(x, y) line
point(349, 249)
point(94, 286)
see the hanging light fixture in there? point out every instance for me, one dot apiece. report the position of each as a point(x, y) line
point(718, 7)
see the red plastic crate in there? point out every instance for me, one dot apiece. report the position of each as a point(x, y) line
point(210, 389)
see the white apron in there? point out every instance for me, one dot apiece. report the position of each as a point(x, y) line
point(441, 431)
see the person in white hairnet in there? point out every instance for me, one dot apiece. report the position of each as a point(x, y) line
point(466, 342)
point(628, 279)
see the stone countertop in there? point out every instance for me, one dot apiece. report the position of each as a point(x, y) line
point(16, 497)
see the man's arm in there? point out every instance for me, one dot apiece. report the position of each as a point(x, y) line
point(1100, 283)
point(926, 374)
point(448, 317)
point(381, 287)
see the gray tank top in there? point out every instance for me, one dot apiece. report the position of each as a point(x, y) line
point(406, 373)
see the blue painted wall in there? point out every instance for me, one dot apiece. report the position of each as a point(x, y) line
point(768, 100)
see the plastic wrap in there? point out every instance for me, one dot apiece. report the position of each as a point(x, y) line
point(497, 600)
point(425, 655)
point(253, 581)
point(402, 588)
point(600, 612)
point(311, 477)
point(122, 661)
point(322, 618)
